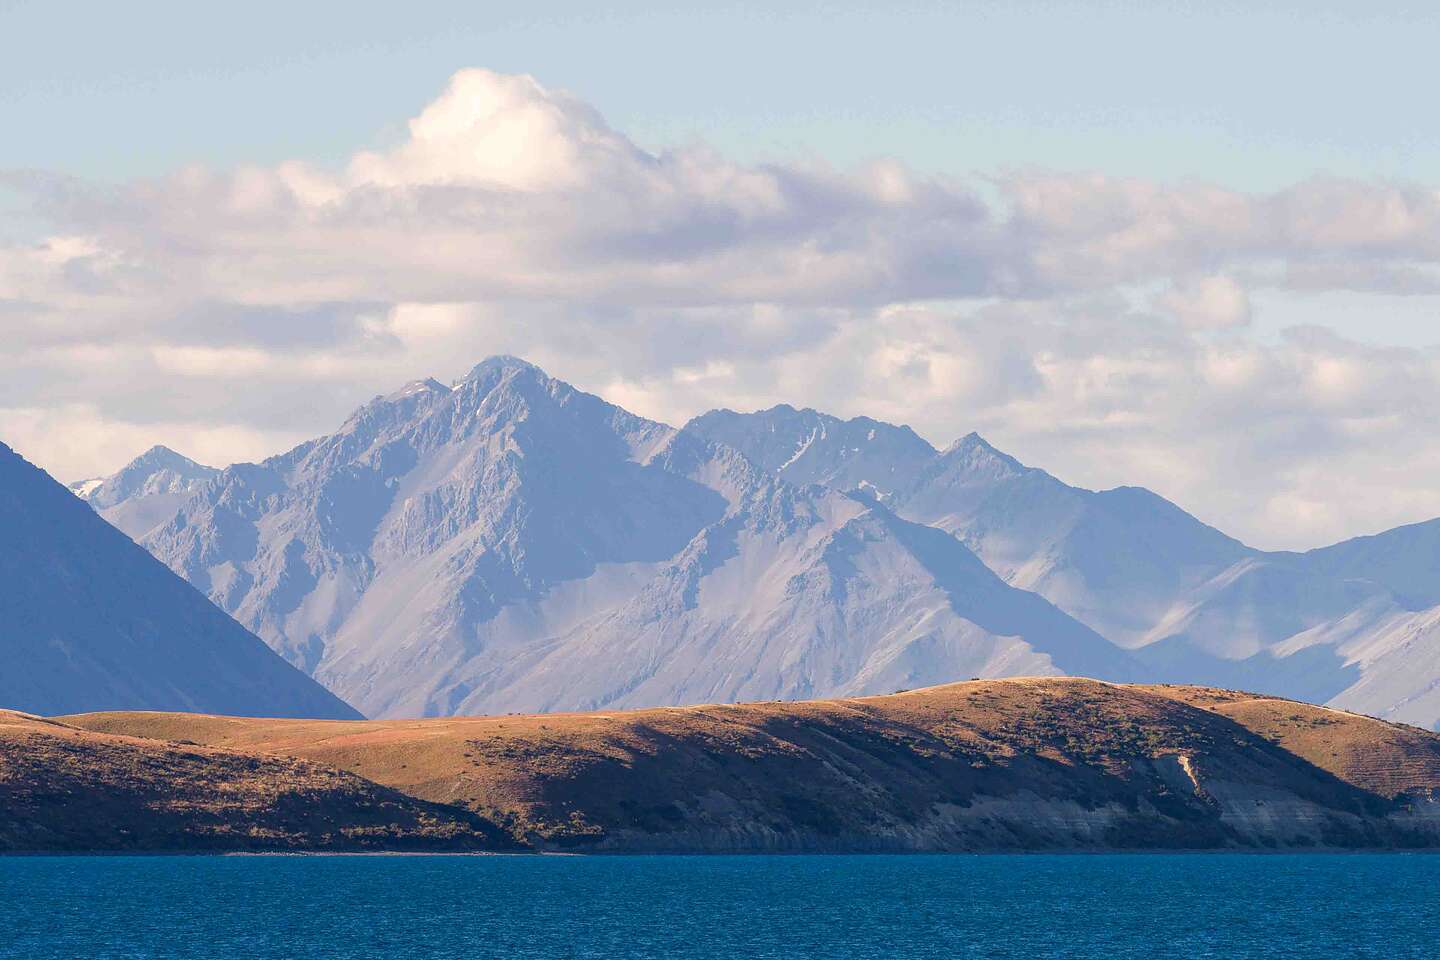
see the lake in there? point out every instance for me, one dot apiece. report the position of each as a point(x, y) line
point(1107, 907)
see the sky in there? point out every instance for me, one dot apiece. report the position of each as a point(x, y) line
point(1132, 243)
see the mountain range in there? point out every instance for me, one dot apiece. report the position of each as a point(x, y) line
point(511, 543)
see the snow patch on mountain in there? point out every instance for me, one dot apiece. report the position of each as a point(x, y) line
point(146, 491)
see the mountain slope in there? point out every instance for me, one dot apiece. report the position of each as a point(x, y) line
point(146, 491)
point(1114, 559)
point(508, 542)
point(1192, 604)
point(1031, 764)
point(511, 542)
point(90, 621)
point(1405, 561)
point(801, 592)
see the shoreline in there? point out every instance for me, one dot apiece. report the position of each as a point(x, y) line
point(610, 855)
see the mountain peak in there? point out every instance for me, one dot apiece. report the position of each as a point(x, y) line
point(161, 457)
point(146, 490)
point(977, 450)
point(500, 363)
point(810, 446)
point(972, 440)
point(427, 385)
point(512, 376)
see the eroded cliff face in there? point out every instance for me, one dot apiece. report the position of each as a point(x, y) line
point(1028, 764)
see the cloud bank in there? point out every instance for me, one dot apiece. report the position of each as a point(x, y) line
point(1099, 327)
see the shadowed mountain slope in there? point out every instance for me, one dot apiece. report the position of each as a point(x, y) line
point(1404, 561)
point(89, 620)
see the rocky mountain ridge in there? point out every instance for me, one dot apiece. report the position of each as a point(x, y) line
point(1348, 624)
point(510, 542)
point(513, 543)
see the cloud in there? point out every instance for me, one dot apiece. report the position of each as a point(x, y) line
point(505, 189)
point(1097, 326)
point(505, 132)
point(1207, 303)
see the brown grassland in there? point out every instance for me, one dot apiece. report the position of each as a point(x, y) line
point(1021, 764)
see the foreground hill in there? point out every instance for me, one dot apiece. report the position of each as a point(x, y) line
point(66, 789)
point(89, 620)
point(1050, 763)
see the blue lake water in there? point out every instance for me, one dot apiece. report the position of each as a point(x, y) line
point(1110, 907)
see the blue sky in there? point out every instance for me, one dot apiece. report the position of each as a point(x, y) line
point(1247, 97)
point(1197, 250)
